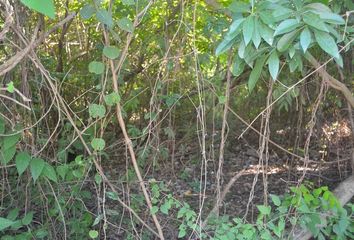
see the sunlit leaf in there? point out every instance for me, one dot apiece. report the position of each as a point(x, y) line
point(45, 7)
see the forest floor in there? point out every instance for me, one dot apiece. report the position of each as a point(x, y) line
point(329, 165)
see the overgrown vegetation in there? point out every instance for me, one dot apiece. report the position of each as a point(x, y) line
point(139, 119)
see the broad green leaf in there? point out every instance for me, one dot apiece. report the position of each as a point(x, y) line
point(327, 43)
point(13, 214)
point(286, 26)
point(235, 29)
point(98, 144)
point(62, 170)
point(305, 39)
point(126, 24)
point(241, 50)
point(104, 17)
point(256, 38)
point(26, 220)
point(273, 65)
point(10, 141)
point(96, 67)
point(22, 161)
point(314, 21)
point(256, 73)
point(111, 52)
point(45, 7)
point(266, 33)
point(275, 200)
point(93, 234)
point(286, 40)
point(5, 223)
point(49, 172)
point(112, 99)
point(97, 111)
point(281, 13)
point(331, 18)
point(237, 66)
point(7, 154)
point(128, 2)
point(265, 210)
point(10, 87)
point(248, 28)
point(182, 232)
point(224, 45)
point(319, 7)
point(36, 166)
point(87, 11)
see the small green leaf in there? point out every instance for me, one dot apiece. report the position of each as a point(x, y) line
point(275, 200)
point(273, 65)
point(305, 39)
point(98, 144)
point(112, 99)
point(26, 220)
point(112, 195)
point(126, 24)
point(327, 43)
point(13, 214)
point(10, 87)
point(96, 67)
point(111, 52)
point(314, 21)
point(93, 234)
point(248, 28)
point(45, 7)
point(98, 178)
point(265, 210)
point(182, 232)
point(22, 161)
point(49, 172)
point(286, 40)
point(256, 73)
point(87, 11)
point(62, 170)
point(222, 99)
point(286, 26)
point(319, 7)
point(154, 210)
point(97, 111)
point(5, 223)
point(105, 17)
point(36, 166)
